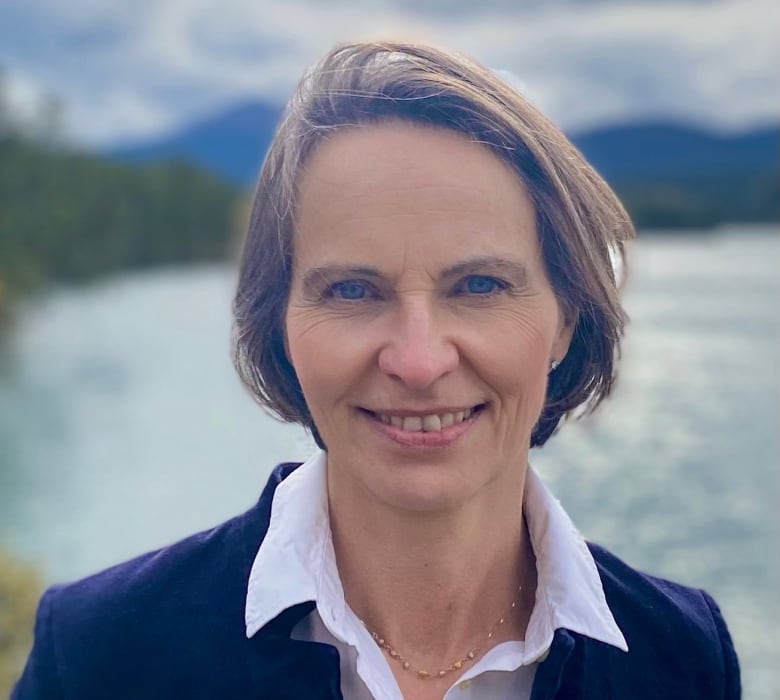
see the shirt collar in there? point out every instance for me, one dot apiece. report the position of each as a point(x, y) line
point(296, 563)
point(296, 555)
point(569, 593)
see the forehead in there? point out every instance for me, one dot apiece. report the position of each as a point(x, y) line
point(410, 186)
point(397, 152)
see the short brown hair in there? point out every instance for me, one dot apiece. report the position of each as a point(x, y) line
point(581, 225)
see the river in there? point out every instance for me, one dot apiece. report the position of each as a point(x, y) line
point(123, 427)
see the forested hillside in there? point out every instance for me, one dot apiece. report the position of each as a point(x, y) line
point(669, 175)
point(67, 216)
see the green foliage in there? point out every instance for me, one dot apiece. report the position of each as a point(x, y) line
point(702, 202)
point(20, 588)
point(67, 216)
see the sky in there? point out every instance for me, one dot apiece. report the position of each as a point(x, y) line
point(125, 70)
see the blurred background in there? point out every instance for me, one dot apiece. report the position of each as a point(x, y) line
point(130, 135)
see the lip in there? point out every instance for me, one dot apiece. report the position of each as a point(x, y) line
point(438, 439)
point(424, 412)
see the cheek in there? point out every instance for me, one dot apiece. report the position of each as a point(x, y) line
point(523, 372)
point(325, 362)
point(309, 357)
point(522, 340)
point(516, 366)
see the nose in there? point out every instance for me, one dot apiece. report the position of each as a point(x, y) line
point(418, 350)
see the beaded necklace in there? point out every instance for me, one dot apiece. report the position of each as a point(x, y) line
point(456, 665)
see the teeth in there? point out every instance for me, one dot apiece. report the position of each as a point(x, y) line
point(430, 423)
point(413, 424)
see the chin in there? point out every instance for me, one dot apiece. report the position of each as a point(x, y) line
point(422, 489)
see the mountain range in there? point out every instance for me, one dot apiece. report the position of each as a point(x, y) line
point(669, 174)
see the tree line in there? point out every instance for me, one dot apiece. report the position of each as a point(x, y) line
point(67, 216)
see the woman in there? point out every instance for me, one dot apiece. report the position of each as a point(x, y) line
point(428, 286)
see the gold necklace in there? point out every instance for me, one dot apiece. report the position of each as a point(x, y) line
point(456, 665)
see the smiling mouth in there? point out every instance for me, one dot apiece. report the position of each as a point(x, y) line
point(426, 423)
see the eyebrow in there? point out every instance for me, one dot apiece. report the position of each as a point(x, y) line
point(512, 269)
point(317, 275)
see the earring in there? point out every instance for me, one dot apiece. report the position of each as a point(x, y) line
point(554, 365)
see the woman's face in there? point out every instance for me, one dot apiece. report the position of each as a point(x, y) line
point(421, 323)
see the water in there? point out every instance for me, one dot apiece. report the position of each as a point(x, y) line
point(123, 427)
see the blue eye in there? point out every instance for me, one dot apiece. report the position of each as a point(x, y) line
point(482, 284)
point(349, 290)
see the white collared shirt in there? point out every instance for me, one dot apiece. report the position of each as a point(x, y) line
point(296, 563)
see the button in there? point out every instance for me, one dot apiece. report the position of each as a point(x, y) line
point(464, 685)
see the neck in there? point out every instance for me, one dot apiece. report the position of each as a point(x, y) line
point(435, 583)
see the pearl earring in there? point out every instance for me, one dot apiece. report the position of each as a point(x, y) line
point(554, 365)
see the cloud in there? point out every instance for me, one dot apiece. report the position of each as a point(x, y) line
point(708, 62)
point(131, 67)
point(22, 99)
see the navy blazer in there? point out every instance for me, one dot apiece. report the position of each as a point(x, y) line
point(170, 624)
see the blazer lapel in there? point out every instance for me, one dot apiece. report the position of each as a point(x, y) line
point(550, 673)
point(575, 669)
point(282, 668)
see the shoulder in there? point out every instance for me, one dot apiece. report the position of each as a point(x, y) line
point(672, 627)
point(117, 622)
point(636, 598)
point(175, 579)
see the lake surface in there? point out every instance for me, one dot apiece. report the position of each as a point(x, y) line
point(123, 427)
